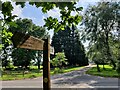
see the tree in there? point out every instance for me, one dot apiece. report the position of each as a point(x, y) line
point(58, 61)
point(69, 42)
point(5, 42)
point(100, 21)
point(65, 10)
point(115, 46)
point(23, 57)
point(97, 54)
point(51, 23)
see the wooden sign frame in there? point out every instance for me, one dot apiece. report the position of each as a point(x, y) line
point(21, 40)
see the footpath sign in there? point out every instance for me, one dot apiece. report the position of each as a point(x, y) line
point(32, 43)
point(21, 40)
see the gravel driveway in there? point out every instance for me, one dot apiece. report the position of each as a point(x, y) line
point(74, 79)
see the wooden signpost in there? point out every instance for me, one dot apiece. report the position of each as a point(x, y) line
point(32, 43)
point(21, 40)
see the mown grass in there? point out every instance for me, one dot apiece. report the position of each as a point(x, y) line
point(20, 74)
point(33, 73)
point(67, 69)
point(107, 72)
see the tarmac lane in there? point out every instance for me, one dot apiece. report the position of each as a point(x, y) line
point(71, 80)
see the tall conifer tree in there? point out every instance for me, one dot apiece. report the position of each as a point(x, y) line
point(68, 41)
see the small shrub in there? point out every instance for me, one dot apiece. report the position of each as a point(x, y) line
point(58, 62)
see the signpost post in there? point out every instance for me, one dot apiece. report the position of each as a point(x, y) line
point(46, 64)
point(21, 40)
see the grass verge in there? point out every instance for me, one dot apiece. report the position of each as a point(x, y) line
point(107, 72)
point(18, 75)
point(68, 69)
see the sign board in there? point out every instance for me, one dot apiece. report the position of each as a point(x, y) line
point(51, 50)
point(21, 40)
point(32, 43)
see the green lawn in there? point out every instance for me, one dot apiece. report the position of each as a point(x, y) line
point(108, 72)
point(16, 75)
point(68, 69)
point(33, 73)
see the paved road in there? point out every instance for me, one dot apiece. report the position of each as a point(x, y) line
point(74, 79)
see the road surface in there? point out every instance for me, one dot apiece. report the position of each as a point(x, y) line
point(74, 79)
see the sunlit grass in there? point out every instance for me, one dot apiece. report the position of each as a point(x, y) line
point(68, 69)
point(16, 75)
point(72, 69)
point(107, 72)
point(33, 73)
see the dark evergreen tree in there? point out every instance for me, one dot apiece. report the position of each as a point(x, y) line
point(68, 41)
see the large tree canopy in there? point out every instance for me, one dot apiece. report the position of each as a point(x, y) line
point(23, 57)
point(51, 23)
point(101, 24)
point(8, 20)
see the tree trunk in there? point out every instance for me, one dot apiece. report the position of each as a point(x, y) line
point(26, 67)
point(108, 51)
point(38, 64)
point(98, 68)
point(103, 67)
point(39, 60)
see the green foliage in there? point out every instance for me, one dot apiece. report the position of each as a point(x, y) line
point(5, 22)
point(51, 23)
point(69, 42)
point(118, 65)
point(108, 72)
point(18, 74)
point(5, 42)
point(10, 66)
point(26, 25)
point(23, 57)
point(5, 10)
point(59, 60)
point(100, 22)
point(6, 36)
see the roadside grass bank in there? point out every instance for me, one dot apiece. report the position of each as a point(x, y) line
point(33, 73)
point(107, 72)
point(65, 70)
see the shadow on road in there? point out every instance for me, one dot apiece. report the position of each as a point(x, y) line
point(80, 79)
